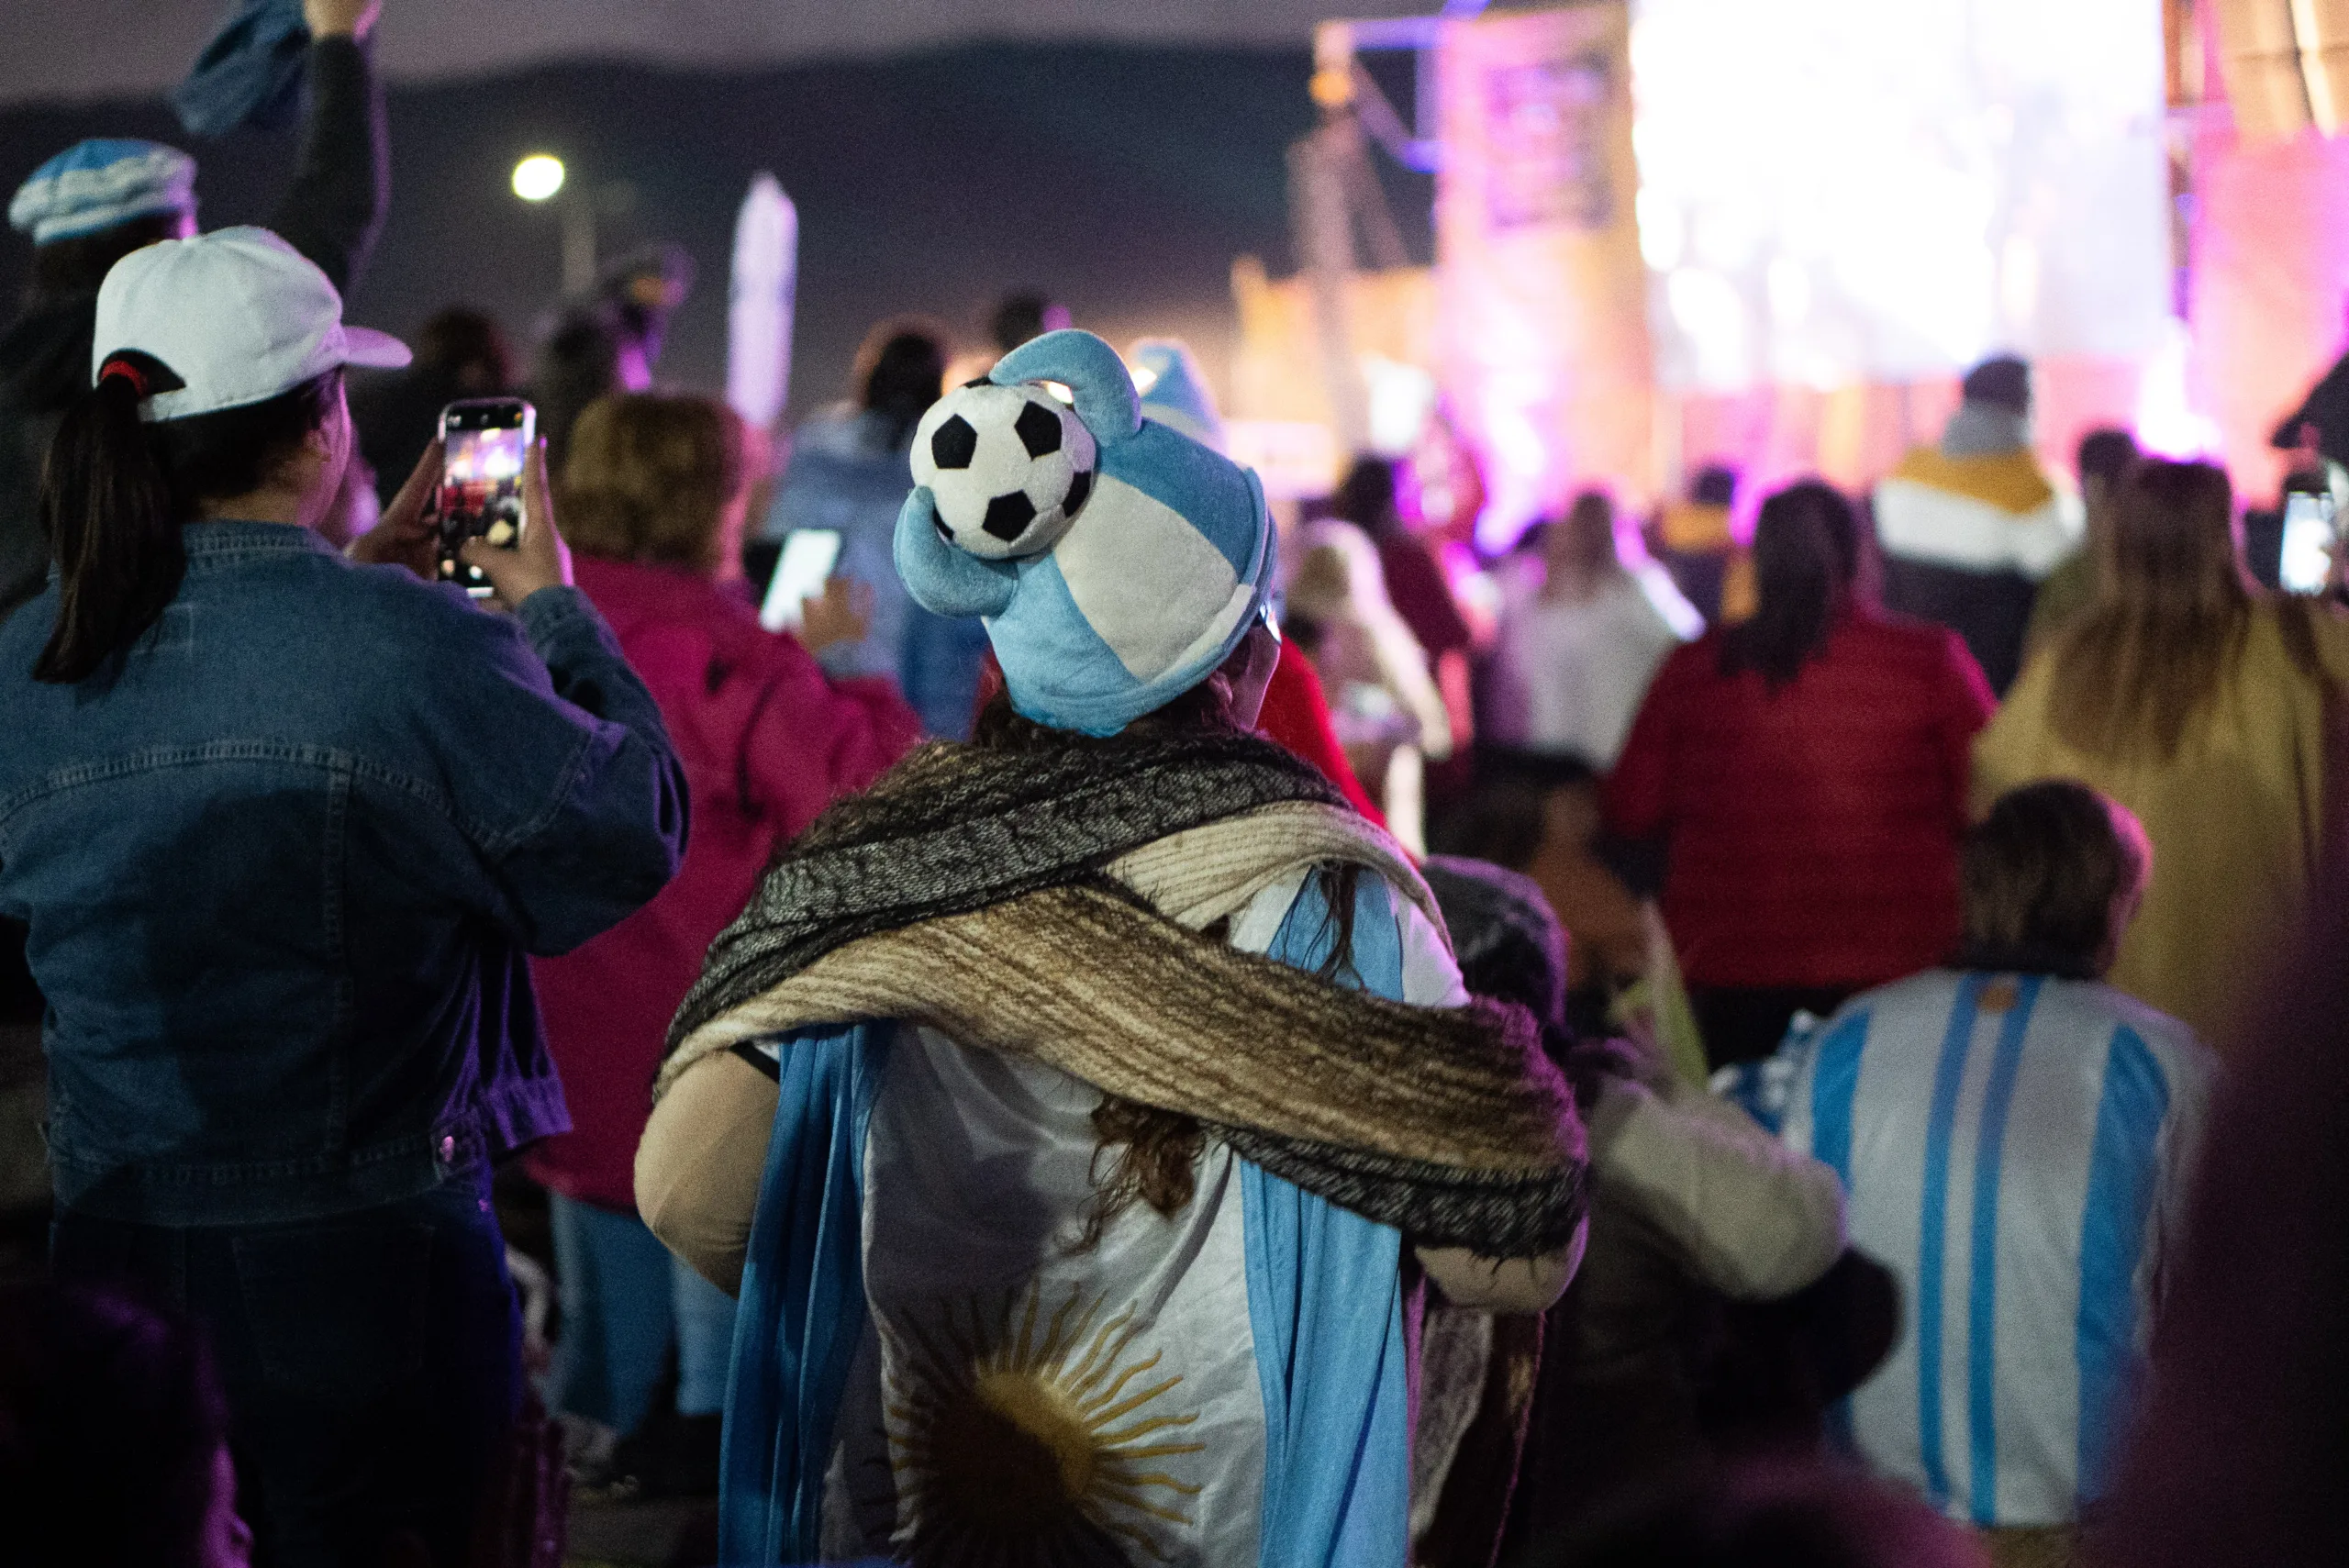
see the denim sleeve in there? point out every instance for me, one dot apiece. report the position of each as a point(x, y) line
point(565, 776)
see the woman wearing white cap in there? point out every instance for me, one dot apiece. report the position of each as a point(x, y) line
point(99, 200)
point(283, 826)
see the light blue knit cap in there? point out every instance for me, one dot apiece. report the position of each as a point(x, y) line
point(1153, 585)
point(98, 183)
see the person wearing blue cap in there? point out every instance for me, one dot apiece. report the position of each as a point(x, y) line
point(99, 200)
point(1077, 1110)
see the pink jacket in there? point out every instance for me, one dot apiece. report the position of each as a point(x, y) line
point(767, 741)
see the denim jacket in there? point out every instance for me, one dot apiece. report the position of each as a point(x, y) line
point(281, 862)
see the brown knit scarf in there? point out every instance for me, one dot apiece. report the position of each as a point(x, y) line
point(1450, 1124)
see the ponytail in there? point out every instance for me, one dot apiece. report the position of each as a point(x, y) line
point(115, 491)
point(107, 502)
point(1806, 558)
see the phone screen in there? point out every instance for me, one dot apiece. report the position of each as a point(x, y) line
point(809, 557)
point(2309, 540)
point(485, 445)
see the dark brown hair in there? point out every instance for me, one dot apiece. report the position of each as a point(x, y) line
point(1806, 558)
point(1366, 497)
point(460, 338)
point(63, 268)
point(115, 491)
point(2041, 875)
point(900, 370)
point(2136, 668)
point(649, 476)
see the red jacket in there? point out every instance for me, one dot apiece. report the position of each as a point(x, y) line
point(1297, 714)
point(767, 742)
point(1814, 829)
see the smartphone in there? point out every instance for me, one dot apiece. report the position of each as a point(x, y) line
point(809, 557)
point(486, 441)
point(2310, 542)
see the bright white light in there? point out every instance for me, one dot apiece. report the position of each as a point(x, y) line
point(537, 177)
point(1711, 318)
point(1789, 290)
point(1946, 177)
point(1663, 237)
point(2167, 421)
point(1401, 398)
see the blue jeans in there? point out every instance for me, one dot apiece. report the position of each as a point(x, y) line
point(624, 1295)
point(371, 1362)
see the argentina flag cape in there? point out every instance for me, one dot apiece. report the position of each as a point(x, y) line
point(1227, 1385)
point(2017, 1150)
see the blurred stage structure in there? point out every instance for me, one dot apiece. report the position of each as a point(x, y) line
point(1671, 232)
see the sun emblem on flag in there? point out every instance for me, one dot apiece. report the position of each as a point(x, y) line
point(1018, 1441)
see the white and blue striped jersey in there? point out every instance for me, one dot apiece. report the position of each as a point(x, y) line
point(2016, 1150)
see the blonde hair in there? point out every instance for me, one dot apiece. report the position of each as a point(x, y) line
point(1338, 582)
point(649, 476)
point(2168, 627)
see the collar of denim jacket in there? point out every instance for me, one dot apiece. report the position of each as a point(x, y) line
point(222, 538)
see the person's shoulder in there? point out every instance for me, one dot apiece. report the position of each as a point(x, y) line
point(1888, 640)
point(1648, 592)
point(1878, 629)
point(1926, 989)
point(1697, 659)
point(1920, 464)
point(2276, 625)
point(2172, 1041)
point(23, 633)
point(1891, 1010)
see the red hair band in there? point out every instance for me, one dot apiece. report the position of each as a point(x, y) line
point(121, 365)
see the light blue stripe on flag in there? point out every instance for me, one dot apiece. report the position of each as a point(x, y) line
point(1834, 1087)
point(1982, 1279)
point(2121, 1166)
point(1933, 1221)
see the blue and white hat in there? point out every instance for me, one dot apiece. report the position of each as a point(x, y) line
point(1173, 392)
point(1162, 570)
point(98, 183)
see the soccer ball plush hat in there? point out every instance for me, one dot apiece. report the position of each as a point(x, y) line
point(1117, 562)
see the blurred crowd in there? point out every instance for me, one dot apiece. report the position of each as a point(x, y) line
point(1784, 1028)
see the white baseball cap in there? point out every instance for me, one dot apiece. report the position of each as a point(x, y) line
point(238, 316)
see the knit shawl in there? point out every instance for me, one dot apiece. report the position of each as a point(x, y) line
point(1049, 904)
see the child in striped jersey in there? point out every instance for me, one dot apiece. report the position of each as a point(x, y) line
point(2015, 1137)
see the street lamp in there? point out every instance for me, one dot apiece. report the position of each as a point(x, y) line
point(537, 177)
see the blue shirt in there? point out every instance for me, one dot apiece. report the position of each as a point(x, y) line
point(281, 864)
point(2016, 1149)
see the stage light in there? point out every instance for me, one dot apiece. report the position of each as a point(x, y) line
point(537, 177)
point(1848, 191)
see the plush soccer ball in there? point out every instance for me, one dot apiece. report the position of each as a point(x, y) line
point(1006, 468)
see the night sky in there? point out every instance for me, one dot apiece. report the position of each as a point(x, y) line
point(1125, 180)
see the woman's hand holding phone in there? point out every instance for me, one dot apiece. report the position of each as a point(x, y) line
point(841, 612)
point(405, 535)
point(539, 559)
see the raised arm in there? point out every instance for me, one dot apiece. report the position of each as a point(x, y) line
point(554, 754)
point(343, 180)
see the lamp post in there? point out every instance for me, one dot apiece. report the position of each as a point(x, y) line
point(539, 178)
